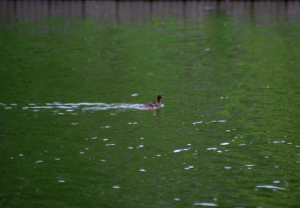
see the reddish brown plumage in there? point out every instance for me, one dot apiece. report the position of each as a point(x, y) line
point(153, 104)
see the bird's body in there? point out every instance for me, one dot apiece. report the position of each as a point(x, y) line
point(153, 104)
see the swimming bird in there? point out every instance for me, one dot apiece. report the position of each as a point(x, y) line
point(153, 104)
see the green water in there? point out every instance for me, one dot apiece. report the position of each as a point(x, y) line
point(72, 133)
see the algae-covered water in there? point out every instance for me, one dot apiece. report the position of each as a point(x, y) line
point(71, 83)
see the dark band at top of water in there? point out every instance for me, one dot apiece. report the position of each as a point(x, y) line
point(126, 11)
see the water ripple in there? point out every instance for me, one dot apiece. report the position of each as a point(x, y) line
point(83, 106)
point(270, 187)
point(206, 204)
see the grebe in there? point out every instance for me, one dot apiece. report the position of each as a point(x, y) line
point(153, 104)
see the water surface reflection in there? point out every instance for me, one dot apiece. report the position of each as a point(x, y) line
point(126, 11)
point(227, 135)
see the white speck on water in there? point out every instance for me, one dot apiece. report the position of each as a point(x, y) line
point(197, 122)
point(276, 181)
point(109, 144)
point(129, 123)
point(57, 158)
point(134, 95)
point(130, 147)
point(206, 204)
point(142, 138)
point(103, 160)
point(25, 108)
point(81, 153)
point(143, 170)
point(158, 155)
point(11, 157)
point(94, 138)
point(266, 156)
point(219, 151)
point(141, 145)
point(21, 155)
point(275, 142)
point(75, 123)
point(87, 148)
point(242, 144)
point(227, 130)
point(221, 97)
point(289, 143)
point(116, 186)
point(269, 186)
point(177, 199)
point(221, 121)
point(61, 181)
point(38, 161)
point(211, 148)
point(107, 127)
point(282, 141)
point(105, 139)
point(227, 167)
point(224, 143)
point(8, 107)
point(250, 165)
point(177, 150)
point(189, 144)
point(134, 122)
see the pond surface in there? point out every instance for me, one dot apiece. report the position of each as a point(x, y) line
point(73, 75)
